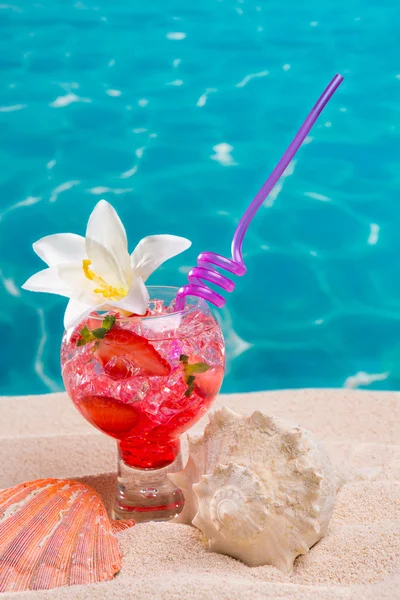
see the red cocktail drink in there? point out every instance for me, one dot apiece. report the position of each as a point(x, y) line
point(144, 381)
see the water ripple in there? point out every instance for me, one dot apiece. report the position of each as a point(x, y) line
point(248, 78)
point(223, 154)
point(114, 93)
point(100, 98)
point(39, 365)
point(27, 202)
point(62, 101)
point(6, 109)
point(364, 379)
point(63, 187)
point(316, 196)
point(10, 286)
point(373, 234)
point(203, 98)
point(100, 190)
point(176, 35)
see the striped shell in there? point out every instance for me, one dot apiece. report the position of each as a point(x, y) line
point(54, 533)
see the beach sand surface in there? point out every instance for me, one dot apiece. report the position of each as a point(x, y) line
point(359, 558)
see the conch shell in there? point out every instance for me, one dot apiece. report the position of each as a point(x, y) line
point(55, 532)
point(260, 489)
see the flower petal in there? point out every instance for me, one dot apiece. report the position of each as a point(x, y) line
point(107, 246)
point(137, 299)
point(81, 288)
point(61, 248)
point(47, 281)
point(152, 251)
point(75, 312)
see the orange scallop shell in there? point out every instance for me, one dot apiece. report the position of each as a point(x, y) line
point(56, 532)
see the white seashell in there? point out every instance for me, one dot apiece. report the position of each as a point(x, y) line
point(260, 489)
point(229, 510)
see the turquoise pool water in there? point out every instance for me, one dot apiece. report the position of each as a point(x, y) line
point(176, 113)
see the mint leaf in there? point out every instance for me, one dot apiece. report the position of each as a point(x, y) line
point(188, 370)
point(86, 337)
point(86, 334)
point(99, 333)
point(197, 368)
point(190, 389)
point(108, 322)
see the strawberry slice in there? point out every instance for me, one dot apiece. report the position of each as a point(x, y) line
point(122, 342)
point(109, 415)
point(207, 385)
point(119, 368)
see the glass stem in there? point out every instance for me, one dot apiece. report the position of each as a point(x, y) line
point(147, 494)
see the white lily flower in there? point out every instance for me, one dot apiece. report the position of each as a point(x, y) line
point(97, 272)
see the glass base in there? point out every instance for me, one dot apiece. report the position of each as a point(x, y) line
point(147, 494)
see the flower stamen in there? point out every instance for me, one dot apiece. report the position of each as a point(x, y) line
point(107, 291)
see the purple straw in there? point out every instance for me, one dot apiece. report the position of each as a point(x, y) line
point(236, 265)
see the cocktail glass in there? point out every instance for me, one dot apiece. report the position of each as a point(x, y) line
point(144, 382)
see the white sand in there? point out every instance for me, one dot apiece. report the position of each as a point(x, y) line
point(359, 558)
